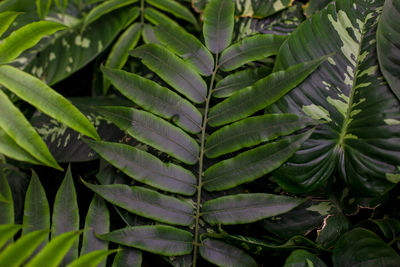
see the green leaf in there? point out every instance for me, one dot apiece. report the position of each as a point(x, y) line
point(61, 4)
point(314, 6)
point(261, 8)
point(127, 256)
point(253, 131)
point(15, 254)
point(359, 139)
point(187, 46)
point(154, 131)
point(7, 205)
point(361, 247)
point(7, 230)
point(157, 17)
point(146, 168)
point(16, 126)
point(26, 37)
point(218, 24)
point(148, 35)
point(390, 227)
point(334, 226)
point(250, 49)
point(303, 258)
point(91, 259)
point(120, 51)
point(155, 98)
point(146, 203)
point(239, 80)
point(388, 44)
point(173, 71)
point(66, 215)
point(262, 94)
point(6, 19)
point(36, 209)
point(246, 208)
point(37, 93)
point(52, 254)
point(174, 8)
point(104, 8)
point(43, 7)
point(252, 164)
point(223, 254)
point(97, 222)
point(160, 239)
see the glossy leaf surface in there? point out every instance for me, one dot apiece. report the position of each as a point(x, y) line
point(174, 8)
point(6, 19)
point(300, 258)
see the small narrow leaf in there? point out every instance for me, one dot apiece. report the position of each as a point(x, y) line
point(173, 71)
point(146, 203)
point(16, 126)
point(250, 49)
point(262, 94)
point(66, 214)
point(218, 24)
point(159, 239)
point(252, 164)
point(7, 231)
point(239, 80)
point(146, 168)
point(148, 35)
point(104, 8)
point(52, 254)
point(174, 8)
point(157, 17)
point(37, 93)
point(7, 206)
point(223, 254)
point(91, 259)
point(186, 46)
point(301, 257)
point(15, 254)
point(154, 131)
point(127, 256)
point(26, 37)
point(253, 131)
point(6, 19)
point(43, 7)
point(246, 208)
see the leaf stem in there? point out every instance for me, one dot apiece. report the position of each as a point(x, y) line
point(201, 159)
point(141, 13)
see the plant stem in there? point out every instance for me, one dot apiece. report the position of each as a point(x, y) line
point(142, 13)
point(201, 158)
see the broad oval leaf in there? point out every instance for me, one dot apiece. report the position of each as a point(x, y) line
point(303, 258)
point(218, 24)
point(6, 19)
point(146, 203)
point(250, 49)
point(361, 247)
point(360, 137)
point(252, 164)
point(253, 131)
point(246, 208)
point(174, 8)
point(154, 131)
point(7, 229)
point(334, 226)
point(146, 168)
point(127, 256)
point(388, 44)
point(223, 254)
point(37, 93)
point(160, 239)
point(91, 259)
point(262, 94)
point(186, 46)
point(155, 98)
point(26, 37)
point(173, 71)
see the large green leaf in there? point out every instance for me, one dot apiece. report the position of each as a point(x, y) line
point(127, 256)
point(334, 226)
point(155, 98)
point(173, 71)
point(174, 8)
point(146, 203)
point(26, 37)
point(66, 214)
point(6, 18)
point(223, 254)
point(37, 93)
point(252, 164)
point(186, 46)
point(92, 259)
point(160, 239)
point(360, 137)
point(7, 205)
point(18, 128)
point(388, 44)
point(303, 258)
point(218, 24)
point(262, 94)
point(146, 168)
point(7, 231)
point(361, 247)
point(154, 131)
point(246, 208)
point(15, 254)
point(253, 131)
point(250, 49)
